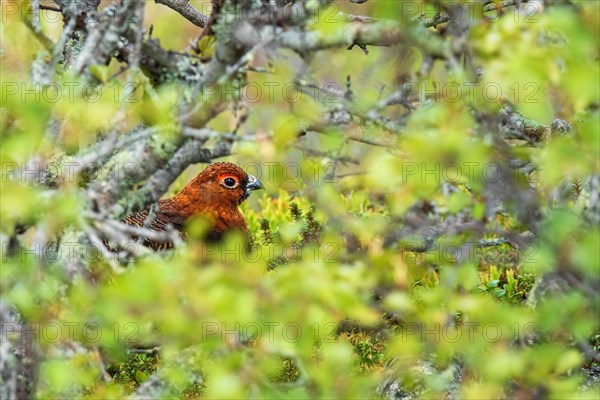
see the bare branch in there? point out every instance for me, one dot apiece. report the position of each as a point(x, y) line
point(382, 33)
point(50, 8)
point(186, 10)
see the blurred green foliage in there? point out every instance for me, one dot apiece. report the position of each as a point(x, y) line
point(267, 323)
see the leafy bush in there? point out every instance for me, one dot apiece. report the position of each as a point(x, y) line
point(429, 226)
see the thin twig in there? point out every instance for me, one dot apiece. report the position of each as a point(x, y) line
point(108, 255)
point(50, 8)
point(157, 236)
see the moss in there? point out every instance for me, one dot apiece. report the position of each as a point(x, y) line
point(161, 145)
point(288, 372)
point(74, 44)
point(369, 349)
point(135, 370)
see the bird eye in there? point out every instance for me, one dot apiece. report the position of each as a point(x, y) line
point(230, 182)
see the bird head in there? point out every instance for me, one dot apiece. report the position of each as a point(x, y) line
point(226, 183)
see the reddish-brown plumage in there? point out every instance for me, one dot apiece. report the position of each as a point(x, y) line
point(214, 193)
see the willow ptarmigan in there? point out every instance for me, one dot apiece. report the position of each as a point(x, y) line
point(216, 193)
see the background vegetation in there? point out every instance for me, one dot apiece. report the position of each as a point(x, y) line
point(429, 227)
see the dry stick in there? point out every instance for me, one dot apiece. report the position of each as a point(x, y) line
point(110, 145)
point(372, 116)
point(135, 55)
point(206, 134)
point(35, 14)
point(119, 72)
point(62, 41)
point(312, 152)
point(381, 33)
point(398, 97)
point(147, 223)
point(108, 255)
point(435, 21)
point(38, 33)
point(105, 375)
point(358, 18)
point(440, 18)
point(50, 8)
point(227, 74)
point(151, 350)
point(158, 236)
point(186, 10)
point(119, 233)
point(103, 39)
point(504, 4)
point(214, 15)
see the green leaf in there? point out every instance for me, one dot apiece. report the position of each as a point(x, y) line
point(493, 283)
point(140, 376)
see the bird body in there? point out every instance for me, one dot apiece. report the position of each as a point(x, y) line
point(214, 193)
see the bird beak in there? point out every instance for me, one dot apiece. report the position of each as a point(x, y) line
point(253, 184)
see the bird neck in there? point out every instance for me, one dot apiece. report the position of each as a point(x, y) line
point(189, 202)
